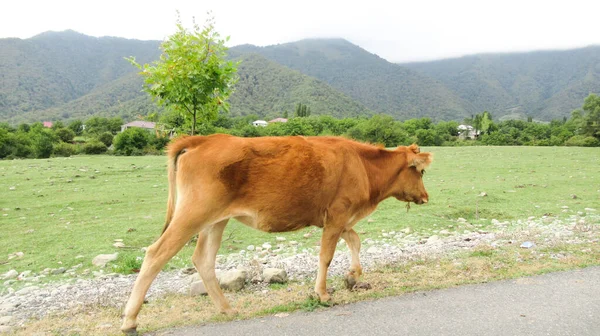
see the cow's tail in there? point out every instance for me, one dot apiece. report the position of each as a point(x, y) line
point(175, 150)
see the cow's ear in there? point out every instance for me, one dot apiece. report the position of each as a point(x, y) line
point(421, 161)
point(414, 148)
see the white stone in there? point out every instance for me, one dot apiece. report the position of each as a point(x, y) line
point(102, 259)
point(280, 239)
point(250, 248)
point(26, 290)
point(372, 250)
point(10, 274)
point(5, 320)
point(266, 246)
point(274, 275)
point(119, 245)
point(433, 239)
point(198, 288)
point(233, 280)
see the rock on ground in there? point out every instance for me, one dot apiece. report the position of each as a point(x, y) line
point(274, 275)
point(102, 259)
point(198, 288)
point(10, 274)
point(233, 280)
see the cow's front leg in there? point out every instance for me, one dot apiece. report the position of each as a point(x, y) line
point(329, 239)
point(353, 242)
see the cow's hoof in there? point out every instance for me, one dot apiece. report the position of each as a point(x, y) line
point(129, 327)
point(230, 312)
point(129, 331)
point(325, 298)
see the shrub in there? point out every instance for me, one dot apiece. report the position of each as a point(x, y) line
point(65, 134)
point(132, 141)
point(160, 142)
point(42, 140)
point(63, 149)
point(583, 141)
point(94, 147)
point(106, 138)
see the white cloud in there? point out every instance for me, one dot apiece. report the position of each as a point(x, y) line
point(395, 30)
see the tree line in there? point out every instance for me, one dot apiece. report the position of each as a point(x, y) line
point(103, 135)
point(96, 135)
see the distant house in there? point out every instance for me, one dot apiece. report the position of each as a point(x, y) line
point(467, 132)
point(261, 123)
point(48, 124)
point(283, 120)
point(148, 125)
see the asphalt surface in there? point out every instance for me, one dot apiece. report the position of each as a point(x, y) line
point(563, 303)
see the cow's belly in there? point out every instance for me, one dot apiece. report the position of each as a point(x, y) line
point(280, 223)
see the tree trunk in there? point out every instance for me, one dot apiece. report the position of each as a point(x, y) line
point(194, 121)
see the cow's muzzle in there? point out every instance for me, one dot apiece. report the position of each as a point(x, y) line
point(421, 201)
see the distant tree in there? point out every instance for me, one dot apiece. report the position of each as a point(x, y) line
point(65, 134)
point(153, 116)
point(76, 126)
point(302, 110)
point(486, 122)
point(477, 123)
point(23, 128)
point(42, 140)
point(173, 120)
point(106, 138)
point(58, 125)
point(192, 75)
point(98, 125)
point(285, 114)
point(132, 141)
point(591, 119)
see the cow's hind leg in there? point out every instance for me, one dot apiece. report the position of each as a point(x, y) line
point(331, 235)
point(179, 232)
point(209, 241)
point(353, 242)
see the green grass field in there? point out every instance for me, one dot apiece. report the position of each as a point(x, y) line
point(62, 212)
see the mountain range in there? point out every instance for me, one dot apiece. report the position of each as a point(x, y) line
point(68, 75)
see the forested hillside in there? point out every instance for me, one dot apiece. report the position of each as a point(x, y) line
point(67, 75)
point(378, 84)
point(544, 84)
point(268, 89)
point(52, 68)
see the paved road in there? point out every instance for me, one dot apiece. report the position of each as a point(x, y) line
point(564, 303)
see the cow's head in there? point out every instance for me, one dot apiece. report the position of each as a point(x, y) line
point(409, 185)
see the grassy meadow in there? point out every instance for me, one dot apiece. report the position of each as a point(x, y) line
point(62, 212)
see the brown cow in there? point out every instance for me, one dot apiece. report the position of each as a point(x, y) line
point(274, 184)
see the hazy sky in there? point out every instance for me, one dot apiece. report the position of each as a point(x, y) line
point(395, 30)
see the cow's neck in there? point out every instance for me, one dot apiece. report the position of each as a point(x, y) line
point(382, 168)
